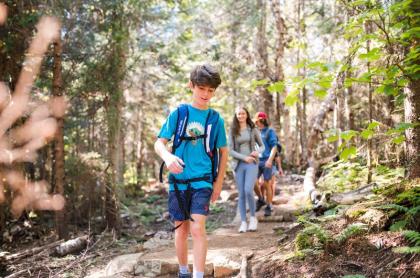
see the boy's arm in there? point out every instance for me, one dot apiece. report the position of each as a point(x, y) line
point(217, 184)
point(269, 162)
point(273, 142)
point(174, 163)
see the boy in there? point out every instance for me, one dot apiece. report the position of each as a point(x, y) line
point(192, 181)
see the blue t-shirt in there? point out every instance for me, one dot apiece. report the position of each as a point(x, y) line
point(269, 138)
point(197, 162)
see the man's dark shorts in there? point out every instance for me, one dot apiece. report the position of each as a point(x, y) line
point(200, 201)
point(266, 172)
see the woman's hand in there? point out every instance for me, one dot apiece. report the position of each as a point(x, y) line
point(254, 154)
point(250, 159)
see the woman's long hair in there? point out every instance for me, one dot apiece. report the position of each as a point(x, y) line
point(235, 123)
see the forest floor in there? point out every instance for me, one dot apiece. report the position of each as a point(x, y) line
point(145, 247)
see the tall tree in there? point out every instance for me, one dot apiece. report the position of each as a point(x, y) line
point(58, 163)
point(265, 102)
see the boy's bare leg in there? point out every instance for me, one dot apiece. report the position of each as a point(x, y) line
point(273, 185)
point(257, 190)
point(269, 192)
point(198, 233)
point(181, 241)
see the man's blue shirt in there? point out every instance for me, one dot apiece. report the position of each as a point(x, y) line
point(197, 162)
point(270, 140)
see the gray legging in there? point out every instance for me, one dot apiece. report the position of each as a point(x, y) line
point(246, 176)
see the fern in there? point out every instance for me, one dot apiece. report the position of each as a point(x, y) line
point(407, 250)
point(413, 211)
point(394, 207)
point(398, 226)
point(413, 237)
point(313, 236)
point(351, 230)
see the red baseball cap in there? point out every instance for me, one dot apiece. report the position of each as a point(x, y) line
point(260, 116)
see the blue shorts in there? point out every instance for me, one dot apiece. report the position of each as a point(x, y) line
point(266, 172)
point(200, 202)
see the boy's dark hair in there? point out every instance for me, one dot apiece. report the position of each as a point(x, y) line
point(205, 75)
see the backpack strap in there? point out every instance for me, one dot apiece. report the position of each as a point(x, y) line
point(181, 126)
point(211, 136)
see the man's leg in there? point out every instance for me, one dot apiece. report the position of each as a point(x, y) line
point(198, 233)
point(267, 177)
point(181, 242)
point(257, 189)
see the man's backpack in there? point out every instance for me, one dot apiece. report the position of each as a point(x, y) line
point(210, 136)
point(279, 147)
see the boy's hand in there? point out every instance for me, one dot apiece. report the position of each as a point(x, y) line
point(281, 173)
point(268, 164)
point(217, 188)
point(175, 164)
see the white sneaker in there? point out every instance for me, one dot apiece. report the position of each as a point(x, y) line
point(242, 228)
point(253, 222)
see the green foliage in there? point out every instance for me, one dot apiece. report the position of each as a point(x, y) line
point(410, 197)
point(413, 237)
point(406, 206)
point(312, 237)
point(407, 250)
point(342, 176)
point(398, 226)
point(351, 230)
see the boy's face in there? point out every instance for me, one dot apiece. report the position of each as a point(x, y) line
point(202, 94)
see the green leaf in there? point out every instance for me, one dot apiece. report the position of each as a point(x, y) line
point(366, 134)
point(365, 77)
point(348, 82)
point(373, 125)
point(332, 138)
point(325, 82)
point(292, 98)
point(398, 226)
point(257, 83)
point(321, 94)
point(413, 33)
point(276, 87)
point(372, 55)
point(348, 134)
point(348, 153)
point(398, 140)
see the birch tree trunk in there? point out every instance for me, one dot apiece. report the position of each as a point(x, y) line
point(60, 215)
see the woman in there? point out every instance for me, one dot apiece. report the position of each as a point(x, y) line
point(242, 144)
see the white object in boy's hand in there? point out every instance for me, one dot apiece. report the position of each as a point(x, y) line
point(175, 164)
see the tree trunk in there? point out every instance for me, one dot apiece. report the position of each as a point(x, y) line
point(317, 127)
point(265, 102)
point(114, 107)
point(60, 216)
point(278, 60)
point(370, 107)
point(412, 115)
point(349, 104)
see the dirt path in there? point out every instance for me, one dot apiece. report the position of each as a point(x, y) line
point(228, 250)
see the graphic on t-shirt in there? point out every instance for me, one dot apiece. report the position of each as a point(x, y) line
point(195, 129)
